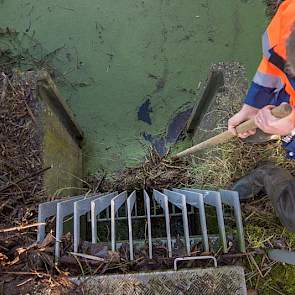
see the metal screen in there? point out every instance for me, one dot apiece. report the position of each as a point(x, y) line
point(111, 203)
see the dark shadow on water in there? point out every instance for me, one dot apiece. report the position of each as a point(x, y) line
point(175, 128)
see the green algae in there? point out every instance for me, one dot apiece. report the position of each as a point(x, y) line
point(106, 54)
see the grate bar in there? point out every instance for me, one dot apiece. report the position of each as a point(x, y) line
point(196, 200)
point(45, 210)
point(147, 205)
point(97, 206)
point(213, 198)
point(162, 200)
point(81, 207)
point(130, 206)
point(63, 209)
point(179, 200)
point(231, 198)
point(116, 203)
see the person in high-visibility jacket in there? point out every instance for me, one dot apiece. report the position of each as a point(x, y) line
point(274, 81)
point(273, 84)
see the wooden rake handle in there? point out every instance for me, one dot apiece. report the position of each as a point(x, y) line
point(280, 111)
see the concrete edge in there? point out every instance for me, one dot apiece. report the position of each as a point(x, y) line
point(47, 90)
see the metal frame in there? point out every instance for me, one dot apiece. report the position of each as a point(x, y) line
point(116, 203)
point(45, 210)
point(130, 206)
point(231, 198)
point(196, 200)
point(147, 205)
point(179, 200)
point(162, 200)
point(63, 209)
point(97, 206)
point(213, 198)
point(81, 207)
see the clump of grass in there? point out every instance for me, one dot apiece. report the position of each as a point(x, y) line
point(220, 166)
point(280, 281)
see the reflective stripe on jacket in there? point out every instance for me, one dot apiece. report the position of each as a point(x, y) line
point(271, 84)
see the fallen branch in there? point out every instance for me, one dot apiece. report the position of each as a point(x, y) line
point(18, 228)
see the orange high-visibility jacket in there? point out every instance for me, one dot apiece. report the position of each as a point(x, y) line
point(271, 84)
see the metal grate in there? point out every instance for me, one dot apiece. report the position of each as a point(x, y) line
point(181, 202)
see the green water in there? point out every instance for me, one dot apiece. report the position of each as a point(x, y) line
point(110, 56)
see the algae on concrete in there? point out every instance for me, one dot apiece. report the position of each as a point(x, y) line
point(61, 141)
point(62, 153)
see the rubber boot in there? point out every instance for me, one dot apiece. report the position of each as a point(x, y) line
point(278, 184)
point(250, 185)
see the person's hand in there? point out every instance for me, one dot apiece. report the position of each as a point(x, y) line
point(247, 112)
point(265, 121)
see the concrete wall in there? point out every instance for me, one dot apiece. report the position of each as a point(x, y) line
point(61, 143)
